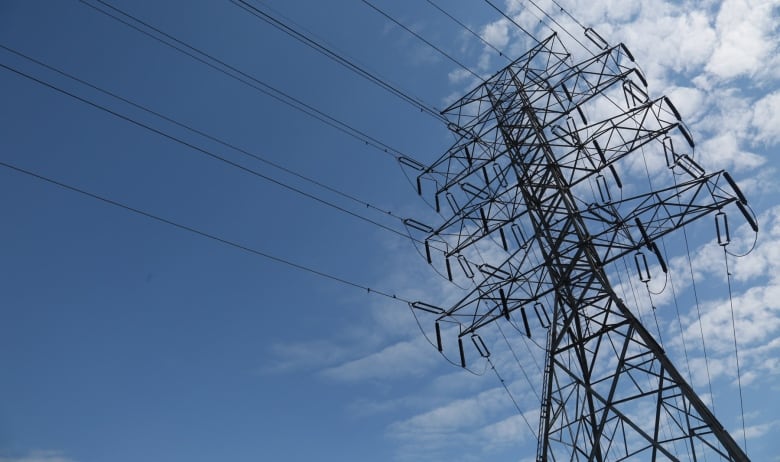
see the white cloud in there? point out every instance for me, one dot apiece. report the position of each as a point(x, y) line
point(468, 420)
point(723, 152)
point(746, 31)
point(497, 33)
point(511, 430)
point(689, 101)
point(402, 359)
point(693, 52)
point(294, 356)
point(756, 431)
point(766, 119)
point(38, 456)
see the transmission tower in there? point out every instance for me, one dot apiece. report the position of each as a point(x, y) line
point(534, 215)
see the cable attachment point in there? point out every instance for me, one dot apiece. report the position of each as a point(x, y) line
point(722, 229)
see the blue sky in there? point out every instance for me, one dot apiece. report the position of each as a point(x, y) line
point(123, 338)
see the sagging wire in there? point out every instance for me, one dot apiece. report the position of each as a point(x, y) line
point(736, 347)
point(201, 233)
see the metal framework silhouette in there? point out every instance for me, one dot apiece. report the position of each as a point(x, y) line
point(532, 191)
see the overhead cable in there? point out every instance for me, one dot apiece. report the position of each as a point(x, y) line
point(423, 39)
point(201, 233)
point(530, 35)
point(464, 26)
point(337, 57)
point(245, 78)
point(202, 150)
point(204, 134)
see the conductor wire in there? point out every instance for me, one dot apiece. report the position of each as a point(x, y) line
point(203, 151)
point(203, 134)
point(421, 38)
point(201, 233)
point(246, 79)
point(278, 24)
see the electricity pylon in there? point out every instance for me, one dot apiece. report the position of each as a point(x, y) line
point(532, 191)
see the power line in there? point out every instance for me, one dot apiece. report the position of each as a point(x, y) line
point(247, 79)
point(511, 396)
point(225, 160)
point(337, 57)
point(464, 26)
point(568, 14)
point(565, 30)
point(423, 39)
point(512, 20)
point(203, 151)
point(736, 347)
point(201, 233)
point(203, 134)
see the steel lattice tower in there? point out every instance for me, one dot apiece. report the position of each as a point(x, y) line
point(531, 190)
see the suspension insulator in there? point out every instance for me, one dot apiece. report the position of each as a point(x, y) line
point(503, 239)
point(641, 266)
point(690, 166)
point(411, 163)
point(600, 152)
point(504, 304)
point(462, 353)
point(676, 115)
point(572, 126)
point(449, 268)
point(582, 115)
point(559, 131)
point(485, 225)
point(645, 237)
point(685, 133)
point(427, 307)
point(466, 267)
point(489, 270)
point(615, 176)
point(722, 228)
point(541, 312)
point(500, 175)
point(419, 226)
point(627, 52)
point(525, 322)
point(671, 159)
point(661, 261)
point(601, 182)
point(566, 91)
point(480, 345)
point(438, 337)
point(453, 204)
point(748, 217)
point(594, 37)
point(517, 232)
point(640, 76)
point(734, 186)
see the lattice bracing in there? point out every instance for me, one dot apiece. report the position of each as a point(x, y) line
point(534, 209)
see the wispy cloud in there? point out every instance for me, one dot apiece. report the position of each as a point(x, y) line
point(38, 456)
point(715, 60)
point(746, 39)
point(399, 360)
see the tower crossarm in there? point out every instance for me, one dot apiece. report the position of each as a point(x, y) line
point(534, 212)
point(554, 88)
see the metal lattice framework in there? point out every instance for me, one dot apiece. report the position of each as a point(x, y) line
point(531, 190)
